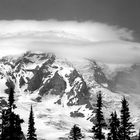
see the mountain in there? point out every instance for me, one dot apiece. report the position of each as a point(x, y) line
point(62, 93)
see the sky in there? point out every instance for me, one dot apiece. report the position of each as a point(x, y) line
point(107, 30)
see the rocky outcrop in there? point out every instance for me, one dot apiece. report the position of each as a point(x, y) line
point(79, 93)
point(73, 75)
point(21, 82)
point(55, 86)
point(99, 76)
point(77, 114)
point(39, 73)
point(36, 81)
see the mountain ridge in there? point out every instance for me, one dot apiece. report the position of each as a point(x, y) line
point(41, 78)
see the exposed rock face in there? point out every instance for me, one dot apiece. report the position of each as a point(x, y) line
point(73, 75)
point(21, 82)
point(76, 114)
point(56, 85)
point(78, 94)
point(39, 73)
point(99, 76)
point(36, 81)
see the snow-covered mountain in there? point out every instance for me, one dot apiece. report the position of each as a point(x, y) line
point(62, 93)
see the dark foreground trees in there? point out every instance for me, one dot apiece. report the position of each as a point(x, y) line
point(31, 129)
point(75, 133)
point(99, 119)
point(114, 125)
point(118, 129)
point(11, 122)
point(126, 127)
point(139, 135)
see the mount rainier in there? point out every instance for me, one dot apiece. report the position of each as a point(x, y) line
point(63, 93)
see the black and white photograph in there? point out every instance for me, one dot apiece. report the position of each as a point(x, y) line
point(69, 69)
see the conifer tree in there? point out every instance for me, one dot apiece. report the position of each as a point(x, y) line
point(11, 123)
point(3, 124)
point(114, 124)
point(126, 127)
point(11, 97)
point(75, 133)
point(99, 119)
point(109, 136)
point(31, 129)
point(139, 135)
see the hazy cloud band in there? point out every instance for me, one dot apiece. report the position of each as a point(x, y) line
point(70, 39)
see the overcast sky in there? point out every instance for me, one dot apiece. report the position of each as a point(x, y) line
point(106, 30)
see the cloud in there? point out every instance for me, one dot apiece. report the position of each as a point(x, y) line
point(92, 31)
point(71, 39)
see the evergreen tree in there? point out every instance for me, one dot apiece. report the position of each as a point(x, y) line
point(114, 124)
point(109, 136)
point(126, 127)
point(3, 124)
point(75, 133)
point(31, 129)
point(11, 123)
point(11, 130)
point(11, 97)
point(99, 119)
point(139, 135)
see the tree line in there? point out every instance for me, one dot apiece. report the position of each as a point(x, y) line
point(118, 128)
point(11, 122)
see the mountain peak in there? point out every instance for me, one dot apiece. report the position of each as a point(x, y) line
point(57, 89)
